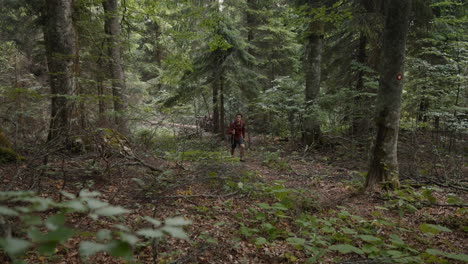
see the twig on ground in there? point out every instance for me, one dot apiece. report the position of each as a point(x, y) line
point(198, 195)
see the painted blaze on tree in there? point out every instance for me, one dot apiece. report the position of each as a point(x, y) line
point(384, 163)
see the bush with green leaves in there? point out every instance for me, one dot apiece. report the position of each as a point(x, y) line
point(341, 232)
point(32, 223)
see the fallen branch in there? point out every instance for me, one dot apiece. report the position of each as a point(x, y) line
point(449, 205)
point(198, 195)
point(456, 187)
point(149, 166)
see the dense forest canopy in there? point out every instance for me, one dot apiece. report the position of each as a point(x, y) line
point(142, 96)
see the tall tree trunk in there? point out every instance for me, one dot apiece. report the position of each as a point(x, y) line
point(60, 51)
point(112, 30)
point(251, 24)
point(100, 77)
point(360, 123)
point(158, 52)
point(384, 163)
point(312, 68)
point(215, 87)
point(222, 127)
point(81, 111)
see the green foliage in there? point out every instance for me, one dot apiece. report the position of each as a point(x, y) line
point(431, 229)
point(202, 156)
point(8, 155)
point(408, 199)
point(340, 231)
point(45, 235)
point(274, 160)
point(284, 101)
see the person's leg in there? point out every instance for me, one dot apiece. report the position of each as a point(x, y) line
point(233, 147)
point(242, 148)
point(242, 151)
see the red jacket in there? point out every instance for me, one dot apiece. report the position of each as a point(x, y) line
point(238, 128)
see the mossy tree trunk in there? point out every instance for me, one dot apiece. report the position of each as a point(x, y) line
point(312, 68)
point(59, 38)
point(112, 30)
point(215, 87)
point(384, 163)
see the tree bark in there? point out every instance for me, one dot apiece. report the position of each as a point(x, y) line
point(215, 103)
point(158, 52)
point(222, 126)
point(312, 68)
point(59, 38)
point(112, 30)
point(360, 123)
point(384, 163)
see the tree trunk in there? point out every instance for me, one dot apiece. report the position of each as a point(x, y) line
point(251, 24)
point(312, 69)
point(222, 127)
point(158, 53)
point(112, 30)
point(215, 103)
point(384, 163)
point(60, 51)
point(81, 111)
point(360, 123)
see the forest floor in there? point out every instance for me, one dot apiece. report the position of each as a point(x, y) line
point(283, 205)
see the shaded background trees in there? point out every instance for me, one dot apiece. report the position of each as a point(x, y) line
point(297, 71)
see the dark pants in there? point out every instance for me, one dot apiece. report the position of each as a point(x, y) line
point(237, 142)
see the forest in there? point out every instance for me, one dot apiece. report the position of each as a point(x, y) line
point(233, 131)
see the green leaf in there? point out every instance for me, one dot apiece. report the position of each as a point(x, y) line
point(260, 241)
point(153, 221)
point(86, 193)
point(103, 234)
point(461, 257)
point(395, 253)
point(346, 248)
point(369, 238)
point(368, 249)
point(348, 231)
point(68, 195)
point(54, 222)
point(150, 233)
point(95, 203)
point(428, 195)
point(60, 235)
point(129, 238)
point(433, 229)
point(7, 211)
point(111, 211)
point(75, 205)
point(119, 249)
point(177, 221)
point(31, 220)
point(88, 249)
point(296, 241)
point(279, 206)
point(47, 248)
point(453, 199)
point(176, 232)
point(122, 227)
point(264, 206)
point(396, 240)
point(14, 246)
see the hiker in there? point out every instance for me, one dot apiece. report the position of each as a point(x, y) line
point(237, 132)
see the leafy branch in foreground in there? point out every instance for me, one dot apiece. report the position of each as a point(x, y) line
point(45, 235)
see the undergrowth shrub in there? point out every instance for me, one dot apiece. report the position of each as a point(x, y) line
point(35, 225)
